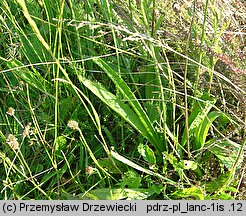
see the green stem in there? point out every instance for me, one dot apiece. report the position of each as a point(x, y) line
point(201, 51)
point(186, 80)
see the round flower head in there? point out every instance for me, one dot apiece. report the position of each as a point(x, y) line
point(73, 124)
point(12, 141)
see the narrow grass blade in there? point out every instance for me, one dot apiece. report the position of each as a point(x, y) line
point(33, 79)
point(33, 24)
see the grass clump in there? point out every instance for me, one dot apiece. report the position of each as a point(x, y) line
point(121, 100)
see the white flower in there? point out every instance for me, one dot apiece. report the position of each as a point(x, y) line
point(12, 141)
point(73, 124)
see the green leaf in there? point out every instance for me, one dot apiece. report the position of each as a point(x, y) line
point(199, 113)
point(34, 79)
point(202, 131)
point(129, 96)
point(172, 160)
point(139, 168)
point(188, 165)
point(147, 153)
point(214, 186)
point(227, 151)
point(193, 191)
point(124, 110)
point(130, 179)
point(112, 166)
point(115, 104)
point(117, 194)
point(220, 196)
point(33, 24)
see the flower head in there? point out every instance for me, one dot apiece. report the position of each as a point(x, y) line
point(89, 170)
point(12, 141)
point(73, 124)
point(11, 111)
point(26, 130)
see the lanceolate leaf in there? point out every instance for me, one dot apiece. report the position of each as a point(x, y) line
point(202, 131)
point(134, 114)
point(115, 104)
point(197, 116)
